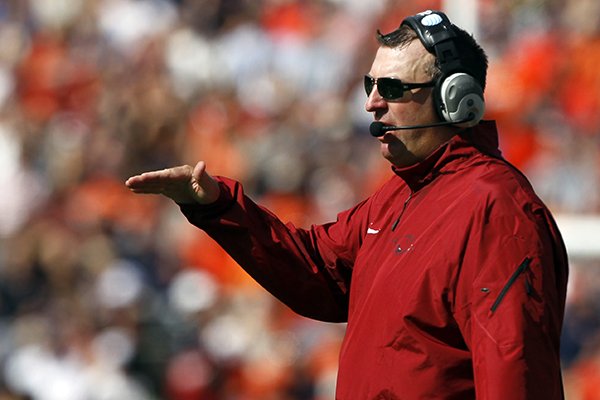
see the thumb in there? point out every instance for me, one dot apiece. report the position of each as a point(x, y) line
point(206, 187)
point(199, 170)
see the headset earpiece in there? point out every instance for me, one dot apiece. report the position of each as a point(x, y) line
point(458, 98)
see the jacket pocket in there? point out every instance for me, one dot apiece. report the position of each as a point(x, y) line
point(513, 278)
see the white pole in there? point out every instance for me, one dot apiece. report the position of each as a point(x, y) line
point(464, 14)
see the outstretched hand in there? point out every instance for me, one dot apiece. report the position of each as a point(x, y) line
point(184, 184)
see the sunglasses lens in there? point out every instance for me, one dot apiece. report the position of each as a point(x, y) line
point(390, 89)
point(369, 83)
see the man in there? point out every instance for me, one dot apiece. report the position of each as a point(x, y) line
point(452, 276)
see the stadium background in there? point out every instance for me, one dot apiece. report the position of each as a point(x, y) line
point(106, 295)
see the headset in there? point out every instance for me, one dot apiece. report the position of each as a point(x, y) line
point(458, 97)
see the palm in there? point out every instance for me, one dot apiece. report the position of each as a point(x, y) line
point(182, 184)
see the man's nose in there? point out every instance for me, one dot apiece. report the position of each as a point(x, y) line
point(375, 101)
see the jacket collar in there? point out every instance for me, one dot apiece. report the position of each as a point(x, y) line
point(482, 138)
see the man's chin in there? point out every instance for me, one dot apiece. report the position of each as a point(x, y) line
point(398, 160)
point(388, 155)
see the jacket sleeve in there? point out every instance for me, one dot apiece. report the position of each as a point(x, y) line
point(511, 298)
point(308, 270)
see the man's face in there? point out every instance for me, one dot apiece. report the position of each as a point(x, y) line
point(406, 147)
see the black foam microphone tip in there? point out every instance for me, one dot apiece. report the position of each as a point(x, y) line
point(377, 129)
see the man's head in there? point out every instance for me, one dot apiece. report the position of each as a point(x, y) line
point(403, 56)
point(472, 56)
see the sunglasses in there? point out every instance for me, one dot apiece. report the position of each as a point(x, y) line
point(392, 88)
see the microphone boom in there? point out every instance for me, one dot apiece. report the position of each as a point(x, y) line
point(378, 128)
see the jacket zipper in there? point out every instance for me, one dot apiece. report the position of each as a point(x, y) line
point(522, 267)
point(397, 221)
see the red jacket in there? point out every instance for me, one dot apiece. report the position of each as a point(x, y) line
point(452, 277)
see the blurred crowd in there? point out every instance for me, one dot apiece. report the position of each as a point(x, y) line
point(106, 295)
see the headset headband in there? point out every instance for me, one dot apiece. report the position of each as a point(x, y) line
point(435, 32)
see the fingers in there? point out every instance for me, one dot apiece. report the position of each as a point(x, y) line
point(147, 178)
point(182, 184)
point(157, 178)
point(154, 188)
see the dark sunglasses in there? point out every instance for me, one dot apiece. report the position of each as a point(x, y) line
point(392, 88)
